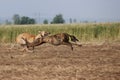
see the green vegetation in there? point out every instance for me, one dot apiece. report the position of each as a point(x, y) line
point(45, 21)
point(90, 32)
point(58, 19)
point(23, 20)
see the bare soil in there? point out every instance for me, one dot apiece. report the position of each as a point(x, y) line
point(48, 62)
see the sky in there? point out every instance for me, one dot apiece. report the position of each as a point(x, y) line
point(99, 10)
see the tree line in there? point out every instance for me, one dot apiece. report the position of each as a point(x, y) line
point(27, 20)
point(58, 19)
point(23, 20)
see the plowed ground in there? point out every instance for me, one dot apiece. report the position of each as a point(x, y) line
point(48, 62)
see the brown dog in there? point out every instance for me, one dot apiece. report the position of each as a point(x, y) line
point(20, 39)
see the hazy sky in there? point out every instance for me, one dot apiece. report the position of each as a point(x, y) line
point(80, 9)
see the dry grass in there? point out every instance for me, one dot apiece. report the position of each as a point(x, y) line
point(90, 32)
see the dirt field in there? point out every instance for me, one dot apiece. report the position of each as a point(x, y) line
point(48, 62)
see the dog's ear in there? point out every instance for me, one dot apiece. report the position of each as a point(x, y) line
point(41, 32)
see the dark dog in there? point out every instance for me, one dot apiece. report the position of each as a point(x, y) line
point(57, 39)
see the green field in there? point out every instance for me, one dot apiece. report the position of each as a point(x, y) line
point(89, 32)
